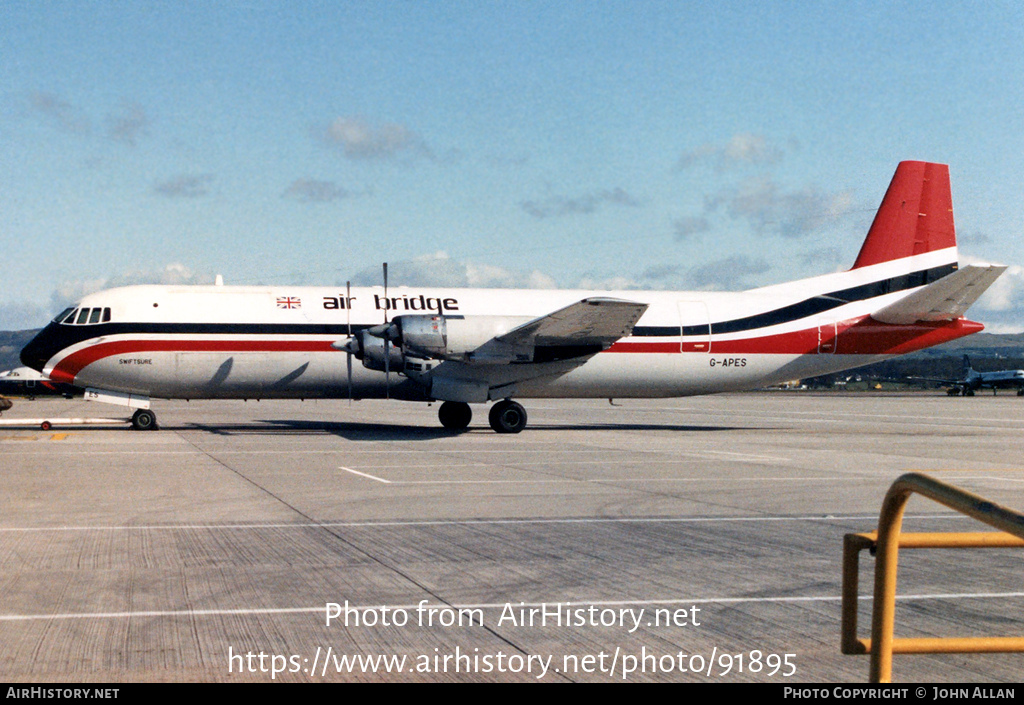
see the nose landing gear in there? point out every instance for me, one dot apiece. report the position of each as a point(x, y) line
point(144, 420)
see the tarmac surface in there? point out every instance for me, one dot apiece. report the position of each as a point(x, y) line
point(674, 540)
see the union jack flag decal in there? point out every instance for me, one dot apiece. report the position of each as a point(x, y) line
point(289, 302)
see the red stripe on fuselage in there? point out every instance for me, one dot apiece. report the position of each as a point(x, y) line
point(863, 336)
point(70, 366)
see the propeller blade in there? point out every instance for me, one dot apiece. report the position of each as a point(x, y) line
point(387, 370)
point(387, 302)
point(351, 340)
point(384, 334)
point(348, 363)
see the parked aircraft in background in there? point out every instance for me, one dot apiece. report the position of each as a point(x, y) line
point(972, 380)
point(26, 382)
point(905, 292)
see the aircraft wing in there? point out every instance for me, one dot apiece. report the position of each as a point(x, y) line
point(583, 328)
point(944, 300)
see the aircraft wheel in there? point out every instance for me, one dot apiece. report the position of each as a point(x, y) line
point(1020, 392)
point(970, 392)
point(455, 415)
point(952, 391)
point(144, 420)
point(507, 417)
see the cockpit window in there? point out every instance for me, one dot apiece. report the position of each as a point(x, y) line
point(84, 316)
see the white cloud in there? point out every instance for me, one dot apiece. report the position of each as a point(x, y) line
point(60, 113)
point(1001, 307)
point(585, 203)
point(729, 273)
point(185, 186)
point(358, 139)
point(175, 273)
point(129, 125)
point(23, 315)
point(438, 269)
point(740, 150)
point(770, 210)
point(687, 227)
point(613, 283)
point(314, 191)
point(1006, 293)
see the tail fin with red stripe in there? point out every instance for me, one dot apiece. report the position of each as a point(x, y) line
point(916, 216)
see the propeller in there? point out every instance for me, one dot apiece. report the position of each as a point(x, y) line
point(348, 327)
point(389, 332)
point(387, 353)
point(351, 344)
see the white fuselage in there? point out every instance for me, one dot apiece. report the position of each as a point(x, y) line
point(266, 342)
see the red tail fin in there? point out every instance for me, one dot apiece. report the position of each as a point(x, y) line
point(916, 215)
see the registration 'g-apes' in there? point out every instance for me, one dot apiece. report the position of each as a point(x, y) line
point(905, 291)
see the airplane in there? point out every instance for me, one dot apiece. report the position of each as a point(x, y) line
point(905, 291)
point(26, 382)
point(972, 380)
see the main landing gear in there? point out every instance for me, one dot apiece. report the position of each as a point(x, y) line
point(144, 420)
point(506, 416)
point(455, 415)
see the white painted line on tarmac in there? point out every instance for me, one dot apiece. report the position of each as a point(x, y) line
point(737, 456)
point(363, 474)
point(491, 605)
point(475, 522)
point(611, 480)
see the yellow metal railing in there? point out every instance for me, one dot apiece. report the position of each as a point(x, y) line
point(886, 543)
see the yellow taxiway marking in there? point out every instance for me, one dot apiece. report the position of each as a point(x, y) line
point(53, 437)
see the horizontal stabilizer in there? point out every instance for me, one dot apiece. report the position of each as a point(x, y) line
point(944, 300)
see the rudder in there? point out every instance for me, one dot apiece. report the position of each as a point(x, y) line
point(916, 215)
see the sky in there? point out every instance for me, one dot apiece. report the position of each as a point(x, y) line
point(610, 145)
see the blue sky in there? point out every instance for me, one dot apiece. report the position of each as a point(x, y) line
point(597, 144)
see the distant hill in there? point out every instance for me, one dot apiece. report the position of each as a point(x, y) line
point(11, 343)
point(988, 352)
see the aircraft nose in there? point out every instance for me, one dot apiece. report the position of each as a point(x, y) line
point(38, 350)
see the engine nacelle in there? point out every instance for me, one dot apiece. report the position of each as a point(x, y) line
point(371, 352)
point(450, 337)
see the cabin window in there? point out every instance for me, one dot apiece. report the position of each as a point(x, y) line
point(63, 315)
point(95, 316)
point(106, 315)
point(83, 316)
